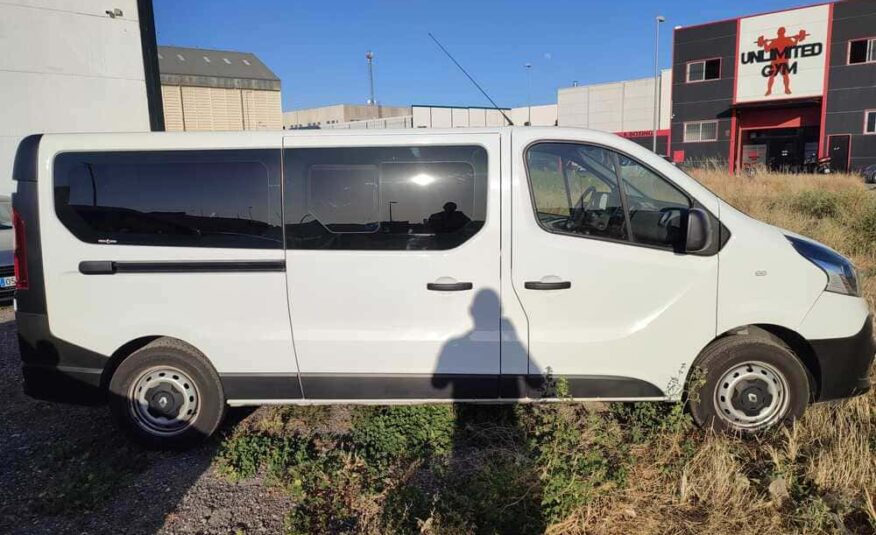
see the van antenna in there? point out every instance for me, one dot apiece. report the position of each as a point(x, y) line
point(481, 89)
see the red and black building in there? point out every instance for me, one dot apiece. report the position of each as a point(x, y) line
point(778, 89)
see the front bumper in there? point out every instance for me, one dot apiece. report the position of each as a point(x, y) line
point(844, 363)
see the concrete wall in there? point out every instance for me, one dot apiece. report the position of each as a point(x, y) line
point(456, 117)
point(615, 107)
point(66, 66)
point(542, 115)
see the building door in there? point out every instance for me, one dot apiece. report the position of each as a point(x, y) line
point(838, 150)
point(392, 259)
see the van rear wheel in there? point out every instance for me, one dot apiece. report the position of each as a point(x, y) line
point(167, 395)
point(747, 383)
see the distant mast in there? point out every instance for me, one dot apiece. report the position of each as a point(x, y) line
point(370, 57)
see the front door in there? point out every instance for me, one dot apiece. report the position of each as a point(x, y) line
point(393, 264)
point(612, 303)
point(838, 150)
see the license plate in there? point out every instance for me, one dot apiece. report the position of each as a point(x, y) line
point(7, 282)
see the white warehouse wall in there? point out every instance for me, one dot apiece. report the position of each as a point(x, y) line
point(542, 115)
point(66, 66)
point(626, 106)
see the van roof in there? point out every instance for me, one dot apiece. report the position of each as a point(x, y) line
point(272, 134)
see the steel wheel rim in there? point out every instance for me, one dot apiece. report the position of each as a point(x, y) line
point(737, 392)
point(164, 401)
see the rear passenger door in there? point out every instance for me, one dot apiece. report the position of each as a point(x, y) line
point(175, 240)
point(393, 264)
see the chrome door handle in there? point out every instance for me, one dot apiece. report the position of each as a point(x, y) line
point(449, 286)
point(539, 285)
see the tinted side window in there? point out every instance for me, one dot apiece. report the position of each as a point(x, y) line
point(171, 198)
point(384, 198)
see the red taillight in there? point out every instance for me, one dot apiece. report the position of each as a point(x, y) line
point(20, 252)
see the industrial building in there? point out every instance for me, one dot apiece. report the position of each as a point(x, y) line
point(353, 116)
point(205, 90)
point(778, 89)
point(75, 67)
point(625, 108)
point(328, 116)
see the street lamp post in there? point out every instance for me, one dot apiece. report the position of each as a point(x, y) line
point(528, 67)
point(659, 20)
point(370, 57)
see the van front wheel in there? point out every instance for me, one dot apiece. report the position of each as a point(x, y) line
point(747, 383)
point(167, 395)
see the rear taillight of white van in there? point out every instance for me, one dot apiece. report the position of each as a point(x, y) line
point(20, 252)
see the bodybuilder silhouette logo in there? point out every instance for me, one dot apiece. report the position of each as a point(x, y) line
point(781, 54)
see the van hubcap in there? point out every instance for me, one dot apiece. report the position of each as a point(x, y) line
point(752, 395)
point(164, 401)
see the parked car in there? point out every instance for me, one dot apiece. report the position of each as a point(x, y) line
point(7, 277)
point(869, 174)
point(178, 274)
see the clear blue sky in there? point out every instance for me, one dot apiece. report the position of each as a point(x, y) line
point(317, 47)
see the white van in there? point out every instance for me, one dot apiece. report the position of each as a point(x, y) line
point(177, 274)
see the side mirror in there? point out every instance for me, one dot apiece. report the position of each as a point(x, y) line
point(699, 231)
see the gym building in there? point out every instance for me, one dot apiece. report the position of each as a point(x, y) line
point(778, 90)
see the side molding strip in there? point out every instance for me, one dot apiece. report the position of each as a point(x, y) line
point(110, 267)
point(449, 387)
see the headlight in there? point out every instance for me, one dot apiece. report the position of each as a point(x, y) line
point(841, 275)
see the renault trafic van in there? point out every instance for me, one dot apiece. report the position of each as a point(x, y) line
point(177, 274)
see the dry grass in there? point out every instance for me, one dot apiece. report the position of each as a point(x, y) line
point(568, 468)
point(822, 469)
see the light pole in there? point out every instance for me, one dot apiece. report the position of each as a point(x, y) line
point(528, 67)
point(660, 19)
point(370, 57)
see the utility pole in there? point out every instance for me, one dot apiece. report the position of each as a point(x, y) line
point(528, 67)
point(660, 19)
point(370, 57)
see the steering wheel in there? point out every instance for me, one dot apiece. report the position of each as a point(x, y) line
point(579, 211)
point(666, 215)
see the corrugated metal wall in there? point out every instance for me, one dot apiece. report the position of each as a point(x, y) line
point(216, 109)
point(261, 110)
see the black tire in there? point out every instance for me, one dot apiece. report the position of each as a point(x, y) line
point(206, 407)
point(767, 354)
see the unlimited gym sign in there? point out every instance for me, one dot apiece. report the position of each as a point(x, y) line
point(782, 55)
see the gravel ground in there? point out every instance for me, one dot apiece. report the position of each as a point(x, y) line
point(65, 469)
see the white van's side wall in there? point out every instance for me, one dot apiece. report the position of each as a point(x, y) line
point(763, 280)
point(239, 320)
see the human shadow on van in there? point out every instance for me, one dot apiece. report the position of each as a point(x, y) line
point(489, 451)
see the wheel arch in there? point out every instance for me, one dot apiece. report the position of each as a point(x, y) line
point(798, 345)
point(129, 348)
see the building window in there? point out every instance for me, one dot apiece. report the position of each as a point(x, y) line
point(870, 122)
point(701, 131)
point(704, 70)
point(862, 51)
